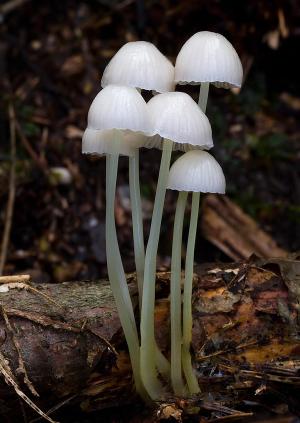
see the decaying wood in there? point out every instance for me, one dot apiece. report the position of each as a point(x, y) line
point(233, 231)
point(246, 342)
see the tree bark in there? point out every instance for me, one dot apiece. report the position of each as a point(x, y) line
point(66, 338)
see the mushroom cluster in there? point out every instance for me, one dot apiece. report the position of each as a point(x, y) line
point(120, 122)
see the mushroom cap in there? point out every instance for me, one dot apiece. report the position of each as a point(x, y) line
point(208, 57)
point(175, 116)
point(140, 64)
point(197, 171)
point(111, 141)
point(118, 107)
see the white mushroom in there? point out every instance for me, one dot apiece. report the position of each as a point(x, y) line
point(177, 119)
point(117, 109)
point(208, 57)
point(196, 171)
point(175, 116)
point(140, 64)
point(97, 142)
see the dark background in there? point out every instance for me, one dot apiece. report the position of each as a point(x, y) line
point(52, 56)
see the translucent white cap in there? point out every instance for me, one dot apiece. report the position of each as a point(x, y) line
point(118, 107)
point(140, 64)
point(111, 141)
point(175, 116)
point(208, 57)
point(197, 171)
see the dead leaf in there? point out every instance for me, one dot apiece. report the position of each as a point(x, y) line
point(167, 411)
point(73, 65)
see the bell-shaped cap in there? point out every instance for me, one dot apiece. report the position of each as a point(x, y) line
point(111, 141)
point(175, 116)
point(140, 64)
point(197, 171)
point(208, 57)
point(118, 107)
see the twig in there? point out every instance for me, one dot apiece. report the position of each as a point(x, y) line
point(14, 278)
point(238, 416)
point(20, 285)
point(230, 350)
point(48, 322)
point(12, 190)
point(9, 379)
point(22, 367)
point(56, 407)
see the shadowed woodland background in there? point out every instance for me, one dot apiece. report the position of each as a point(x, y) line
point(52, 55)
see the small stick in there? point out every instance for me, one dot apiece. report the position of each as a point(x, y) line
point(48, 322)
point(12, 190)
point(21, 285)
point(14, 278)
point(56, 407)
point(231, 417)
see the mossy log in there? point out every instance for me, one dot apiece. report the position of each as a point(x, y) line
point(64, 341)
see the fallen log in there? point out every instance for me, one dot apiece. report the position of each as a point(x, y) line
point(63, 343)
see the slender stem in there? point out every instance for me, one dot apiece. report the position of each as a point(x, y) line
point(117, 275)
point(176, 331)
point(148, 367)
point(203, 96)
point(187, 299)
point(163, 364)
point(188, 284)
point(137, 221)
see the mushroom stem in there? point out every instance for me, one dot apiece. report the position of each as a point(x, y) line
point(162, 363)
point(176, 331)
point(189, 266)
point(191, 379)
point(203, 96)
point(137, 221)
point(117, 275)
point(148, 356)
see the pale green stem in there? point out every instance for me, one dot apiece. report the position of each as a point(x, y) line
point(203, 96)
point(190, 377)
point(137, 221)
point(148, 356)
point(117, 276)
point(176, 331)
point(162, 363)
point(188, 284)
